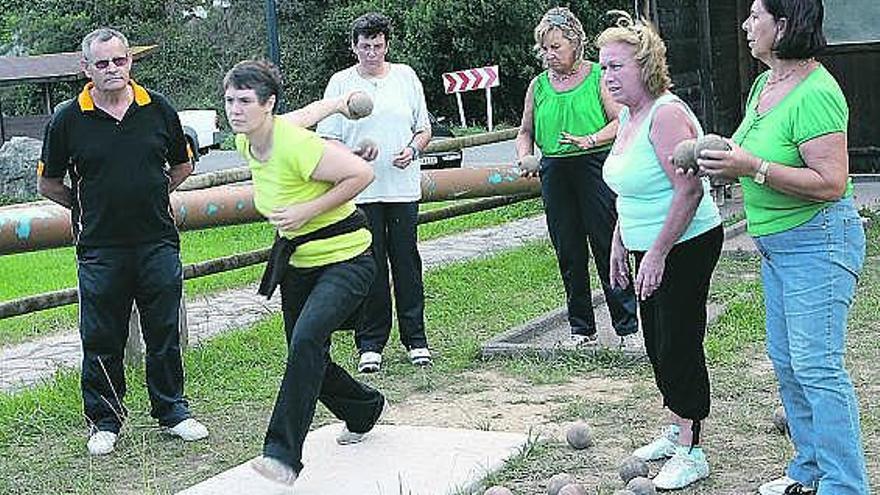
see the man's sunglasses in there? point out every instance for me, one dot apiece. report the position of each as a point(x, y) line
point(117, 61)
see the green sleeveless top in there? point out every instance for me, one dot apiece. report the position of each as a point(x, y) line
point(577, 111)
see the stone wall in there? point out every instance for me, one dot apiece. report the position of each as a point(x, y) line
point(18, 169)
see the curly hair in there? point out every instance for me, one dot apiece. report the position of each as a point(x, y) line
point(370, 25)
point(649, 48)
point(565, 21)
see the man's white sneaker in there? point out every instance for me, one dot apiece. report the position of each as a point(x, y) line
point(370, 362)
point(102, 442)
point(686, 467)
point(661, 447)
point(189, 430)
point(784, 486)
point(347, 437)
point(420, 356)
point(274, 470)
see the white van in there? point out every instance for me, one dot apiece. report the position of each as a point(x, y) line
point(201, 129)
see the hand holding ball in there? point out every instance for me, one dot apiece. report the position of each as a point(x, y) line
point(366, 149)
point(529, 163)
point(686, 153)
point(710, 142)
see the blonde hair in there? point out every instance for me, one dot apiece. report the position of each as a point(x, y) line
point(650, 50)
point(565, 21)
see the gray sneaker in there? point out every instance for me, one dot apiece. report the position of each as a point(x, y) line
point(347, 437)
point(370, 362)
point(274, 470)
point(685, 468)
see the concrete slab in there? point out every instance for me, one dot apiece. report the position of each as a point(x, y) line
point(549, 333)
point(392, 460)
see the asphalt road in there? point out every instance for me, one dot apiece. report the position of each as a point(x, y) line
point(480, 156)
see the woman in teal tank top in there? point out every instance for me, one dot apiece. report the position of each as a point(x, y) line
point(573, 121)
point(669, 224)
point(790, 156)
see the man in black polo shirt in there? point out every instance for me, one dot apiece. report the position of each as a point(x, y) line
point(125, 151)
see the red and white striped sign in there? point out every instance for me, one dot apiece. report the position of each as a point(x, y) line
point(470, 79)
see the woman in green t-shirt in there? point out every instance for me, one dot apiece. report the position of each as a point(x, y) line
point(573, 121)
point(790, 155)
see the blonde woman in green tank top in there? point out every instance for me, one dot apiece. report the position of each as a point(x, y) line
point(573, 121)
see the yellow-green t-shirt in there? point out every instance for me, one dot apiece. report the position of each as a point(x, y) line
point(285, 179)
point(814, 108)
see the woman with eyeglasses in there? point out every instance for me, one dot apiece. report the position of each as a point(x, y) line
point(790, 156)
point(573, 120)
point(392, 138)
point(669, 224)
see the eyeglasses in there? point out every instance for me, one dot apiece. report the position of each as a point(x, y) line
point(365, 48)
point(117, 62)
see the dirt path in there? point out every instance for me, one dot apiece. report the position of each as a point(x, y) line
point(622, 408)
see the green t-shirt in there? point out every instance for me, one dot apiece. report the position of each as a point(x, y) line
point(578, 111)
point(285, 179)
point(814, 108)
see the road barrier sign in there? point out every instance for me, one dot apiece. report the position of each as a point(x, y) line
point(469, 80)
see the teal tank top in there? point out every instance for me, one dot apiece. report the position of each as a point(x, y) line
point(577, 111)
point(644, 192)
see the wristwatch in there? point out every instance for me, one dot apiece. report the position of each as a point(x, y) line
point(761, 174)
point(415, 152)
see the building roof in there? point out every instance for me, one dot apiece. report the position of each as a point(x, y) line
point(52, 67)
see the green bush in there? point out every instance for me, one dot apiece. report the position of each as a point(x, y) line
point(433, 36)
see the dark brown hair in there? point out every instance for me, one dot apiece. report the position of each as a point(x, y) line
point(370, 25)
point(803, 36)
point(259, 75)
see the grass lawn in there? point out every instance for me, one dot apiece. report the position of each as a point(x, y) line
point(57, 268)
point(232, 380)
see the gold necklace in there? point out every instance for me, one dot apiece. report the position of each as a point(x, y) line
point(773, 82)
point(563, 77)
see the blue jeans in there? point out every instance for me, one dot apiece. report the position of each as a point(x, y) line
point(810, 274)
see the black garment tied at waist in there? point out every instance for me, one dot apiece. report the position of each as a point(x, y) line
point(283, 248)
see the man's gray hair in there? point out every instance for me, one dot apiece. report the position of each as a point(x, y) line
point(102, 35)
